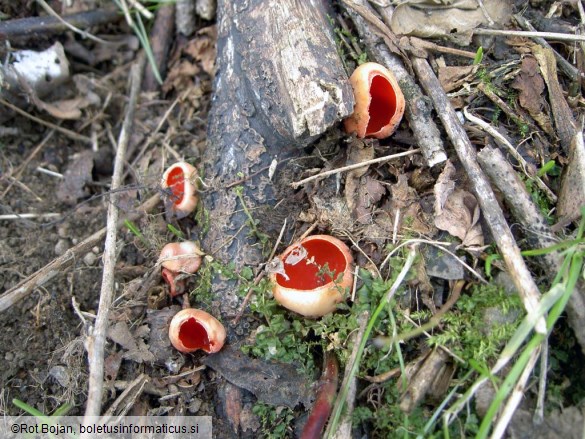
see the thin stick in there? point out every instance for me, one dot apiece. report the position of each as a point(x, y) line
point(296, 184)
point(520, 33)
point(513, 152)
point(17, 216)
point(68, 133)
point(96, 340)
point(336, 414)
point(68, 25)
point(491, 210)
point(516, 397)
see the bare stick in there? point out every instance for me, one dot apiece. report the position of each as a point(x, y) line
point(96, 340)
point(62, 130)
point(386, 158)
point(519, 33)
point(513, 152)
point(68, 25)
point(490, 208)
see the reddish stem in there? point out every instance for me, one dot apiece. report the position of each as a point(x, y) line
point(325, 398)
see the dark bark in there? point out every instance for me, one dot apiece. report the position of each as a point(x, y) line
point(279, 85)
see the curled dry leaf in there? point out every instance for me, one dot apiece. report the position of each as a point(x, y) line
point(456, 210)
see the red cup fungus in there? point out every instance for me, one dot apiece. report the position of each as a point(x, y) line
point(379, 102)
point(179, 258)
point(315, 276)
point(181, 180)
point(193, 329)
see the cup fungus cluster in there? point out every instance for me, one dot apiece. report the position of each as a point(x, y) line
point(190, 329)
point(316, 273)
point(379, 102)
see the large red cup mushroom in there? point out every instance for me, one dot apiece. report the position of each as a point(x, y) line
point(379, 102)
point(316, 274)
point(193, 329)
point(181, 179)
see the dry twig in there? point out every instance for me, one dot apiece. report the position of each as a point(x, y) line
point(96, 340)
point(490, 208)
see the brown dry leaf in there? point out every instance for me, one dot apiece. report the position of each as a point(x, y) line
point(406, 199)
point(456, 210)
point(453, 77)
point(202, 48)
point(426, 18)
point(460, 217)
point(136, 349)
point(370, 192)
point(69, 109)
point(531, 86)
point(77, 174)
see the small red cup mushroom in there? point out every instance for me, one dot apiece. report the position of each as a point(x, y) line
point(315, 276)
point(179, 258)
point(181, 179)
point(193, 329)
point(379, 102)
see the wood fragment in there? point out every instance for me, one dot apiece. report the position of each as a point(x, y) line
point(538, 232)
point(161, 37)
point(562, 113)
point(96, 340)
point(572, 193)
point(418, 110)
point(490, 208)
point(30, 27)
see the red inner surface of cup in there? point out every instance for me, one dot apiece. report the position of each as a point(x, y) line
point(382, 104)
point(193, 335)
point(322, 260)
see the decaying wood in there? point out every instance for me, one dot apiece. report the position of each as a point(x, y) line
point(563, 116)
point(35, 26)
point(572, 193)
point(537, 231)
point(490, 208)
point(418, 109)
point(279, 85)
point(161, 38)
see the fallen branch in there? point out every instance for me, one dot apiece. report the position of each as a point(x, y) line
point(35, 26)
point(96, 340)
point(490, 208)
point(538, 232)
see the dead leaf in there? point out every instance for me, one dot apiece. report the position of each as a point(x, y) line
point(531, 86)
point(405, 199)
point(426, 18)
point(75, 177)
point(460, 217)
point(453, 77)
point(369, 193)
point(136, 349)
point(271, 382)
point(202, 48)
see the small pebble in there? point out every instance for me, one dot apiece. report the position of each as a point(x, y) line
point(9, 356)
point(90, 259)
point(61, 247)
point(96, 250)
point(63, 231)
